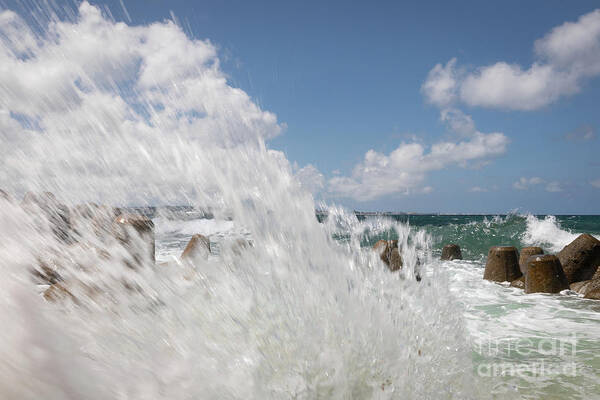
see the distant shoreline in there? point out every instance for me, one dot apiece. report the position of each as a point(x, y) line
point(150, 211)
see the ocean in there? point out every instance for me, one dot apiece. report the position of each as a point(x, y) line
point(95, 110)
point(528, 345)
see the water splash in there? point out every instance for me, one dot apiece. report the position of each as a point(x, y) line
point(94, 109)
point(547, 232)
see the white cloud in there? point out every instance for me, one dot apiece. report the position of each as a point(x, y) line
point(573, 46)
point(507, 86)
point(526, 183)
point(566, 56)
point(310, 178)
point(595, 183)
point(405, 169)
point(553, 187)
point(458, 121)
point(92, 106)
point(440, 86)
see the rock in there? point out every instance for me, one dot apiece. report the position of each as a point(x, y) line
point(46, 272)
point(95, 218)
point(197, 247)
point(395, 260)
point(545, 275)
point(92, 211)
point(76, 291)
point(54, 264)
point(580, 258)
point(391, 258)
point(389, 253)
point(596, 274)
point(519, 282)
point(592, 290)
point(579, 287)
point(527, 252)
point(136, 233)
point(58, 214)
point(380, 245)
point(384, 248)
point(86, 210)
point(502, 264)
point(59, 292)
point(451, 252)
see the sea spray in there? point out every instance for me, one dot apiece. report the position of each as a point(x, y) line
point(547, 232)
point(92, 109)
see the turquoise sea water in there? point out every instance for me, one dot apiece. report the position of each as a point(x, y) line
point(477, 233)
point(540, 346)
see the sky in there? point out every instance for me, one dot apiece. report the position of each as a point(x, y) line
point(454, 107)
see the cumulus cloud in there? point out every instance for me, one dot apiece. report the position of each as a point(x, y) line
point(88, 102)
point(565, 57)
point(507, 86)
point(310, 178)
point(458, 121)
point(440, 86)
point(405, 169)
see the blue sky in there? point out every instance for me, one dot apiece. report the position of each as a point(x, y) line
point(349, 78)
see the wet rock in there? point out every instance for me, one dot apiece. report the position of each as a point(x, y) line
point(86, 210)
point(525, 253)
point(583, 286)
point(502, 264)
point(389, 253)
point(136, 233)
point(579, 287)
point(92, 217)
point(197, 247)
point(59, 292)
point(75, 291)
point(46, 272)
point(596, 274)
point(58, 214)
point(54, 264)
point(580, 258)
point(380, 245)
point(91, 211)
point(592, 290)
point(384, 248)
point(519, 282)
point(451, 252)
point(395, 260)
point(545, 275)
